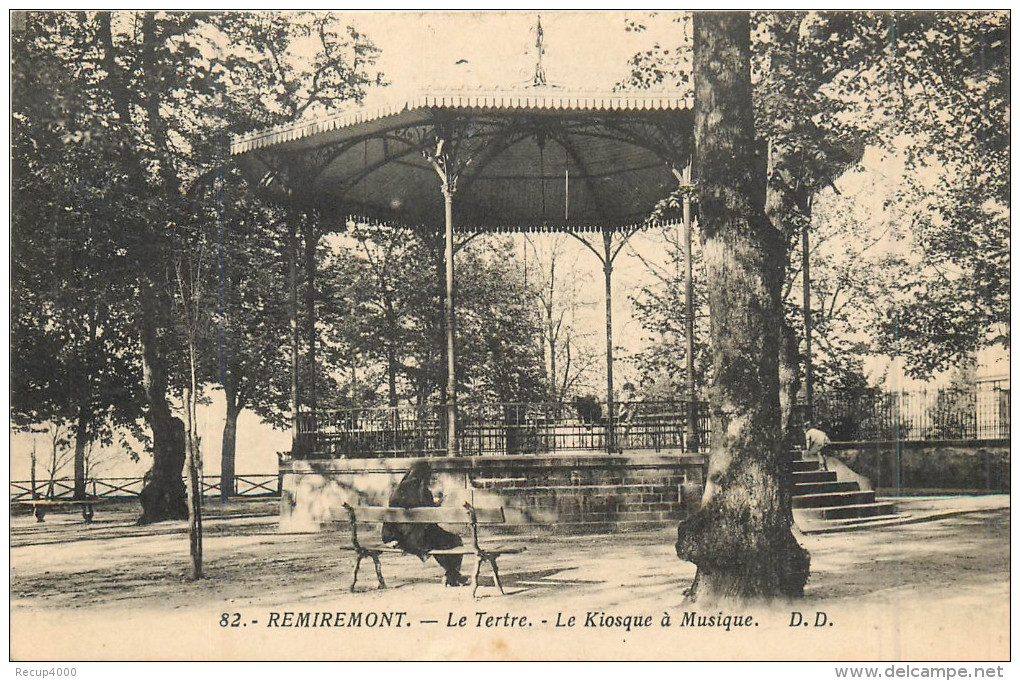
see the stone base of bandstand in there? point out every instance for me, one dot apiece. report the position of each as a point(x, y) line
point(579, 493)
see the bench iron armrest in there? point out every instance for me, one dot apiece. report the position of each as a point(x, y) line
point(474, 526)
point(353, 519)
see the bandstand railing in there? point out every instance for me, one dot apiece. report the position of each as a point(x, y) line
point(552, 427)
point(496, 429)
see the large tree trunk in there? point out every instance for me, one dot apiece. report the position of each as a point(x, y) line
point(163, 496)
point(81, 434)
point(741, 538)
point(228, 487)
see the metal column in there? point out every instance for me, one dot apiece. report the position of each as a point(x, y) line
point(448, 310)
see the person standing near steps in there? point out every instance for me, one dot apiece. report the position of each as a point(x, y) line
point(815, 441)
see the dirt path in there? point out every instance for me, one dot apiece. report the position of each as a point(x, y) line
point(112, 590)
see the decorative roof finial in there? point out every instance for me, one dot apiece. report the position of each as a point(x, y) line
point(540, 47)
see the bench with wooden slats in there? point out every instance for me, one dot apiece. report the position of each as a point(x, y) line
point(468, 515)
point(41, 506)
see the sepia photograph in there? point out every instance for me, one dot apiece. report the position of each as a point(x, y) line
point(547, 335)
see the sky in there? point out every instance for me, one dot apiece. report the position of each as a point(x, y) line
point(583, 50)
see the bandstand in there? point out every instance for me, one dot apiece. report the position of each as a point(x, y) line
point(453, 165)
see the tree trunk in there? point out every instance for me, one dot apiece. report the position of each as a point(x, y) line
point(788, 207)
point(391, 371)
point(553, 381)
point(741, 538)
point(550, 330)
point(35, 494)
point(55, 442)
point(81, 433)
point(809, 399)
point(194, 490)
point(789, 386)
point(228, 487)
point(550, 337)
point(163, 495)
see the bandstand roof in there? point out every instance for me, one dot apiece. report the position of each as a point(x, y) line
point(534, 158)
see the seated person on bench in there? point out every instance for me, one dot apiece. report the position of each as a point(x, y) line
point(413, 492)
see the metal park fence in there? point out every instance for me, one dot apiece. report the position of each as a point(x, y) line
point(948, 414)
point(250, 485)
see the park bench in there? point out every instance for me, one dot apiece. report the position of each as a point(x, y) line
point(469, 515)
point(41, 506)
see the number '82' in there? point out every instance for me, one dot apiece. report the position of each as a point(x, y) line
point(230, 619)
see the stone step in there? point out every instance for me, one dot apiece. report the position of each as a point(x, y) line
point(648, 506)
point(630, 490)
point(849, 511)
point(801, 488)
point(801, 465)
point(814, 476)
point(848, 523)
point(564, 477)
point(831, 499)
point(498, 483)
point(823, 504)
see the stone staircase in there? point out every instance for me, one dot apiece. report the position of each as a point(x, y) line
point(821, 502)
point(586, 494)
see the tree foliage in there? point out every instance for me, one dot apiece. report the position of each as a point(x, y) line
point(950, 90)
point(499, 327)
point(72, 317)
point(122, 162)
point(660, 307)
point(927, 86)
point(560, 284)
point(383, 320)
